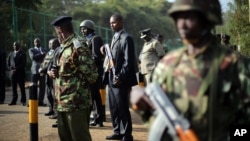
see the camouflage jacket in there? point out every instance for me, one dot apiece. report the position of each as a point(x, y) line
point(182, 76)
point(76, 71)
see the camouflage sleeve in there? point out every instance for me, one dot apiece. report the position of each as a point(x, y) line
point(87, 68)
point(244, 90)
point(244, 76)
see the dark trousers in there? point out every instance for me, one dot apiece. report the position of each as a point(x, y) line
point(119, 109)
point(35, 78)
point(20, 80)
point(96, 98)
point(2, 88)
point(50, 92)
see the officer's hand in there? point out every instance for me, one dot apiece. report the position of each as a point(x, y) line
point(54, 73)
point(117, 81)
point(40, 70)
point(139, 100)
point(13, 71)
point(49, 72)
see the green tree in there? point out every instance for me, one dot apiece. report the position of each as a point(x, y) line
point(138, 15)
point(238, 24)
point(7, 9)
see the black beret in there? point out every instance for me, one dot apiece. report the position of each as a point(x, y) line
point(145, 32)
point(61, 20)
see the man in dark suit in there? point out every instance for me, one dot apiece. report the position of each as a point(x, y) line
point(37, 54)
point(120, 83)
point(16, 63)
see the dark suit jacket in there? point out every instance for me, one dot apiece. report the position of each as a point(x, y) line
point(17, 61)
point(95, 43)
point(123, 52)
point(36, 58)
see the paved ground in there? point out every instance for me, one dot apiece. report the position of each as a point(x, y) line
point(14, 124)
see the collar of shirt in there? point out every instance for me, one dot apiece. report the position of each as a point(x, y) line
point(118, 33)
point(89, 36)
point(147, 42)
point(66, 42)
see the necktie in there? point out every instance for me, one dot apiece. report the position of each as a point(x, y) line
point(113, 40)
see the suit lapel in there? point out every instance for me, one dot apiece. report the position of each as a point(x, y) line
point(117, 38)
point(114, 42)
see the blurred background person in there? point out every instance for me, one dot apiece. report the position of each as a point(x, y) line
point(16, 63)
point(49, 84)
point(37, 54)
point(160, 38)
point(150, 54)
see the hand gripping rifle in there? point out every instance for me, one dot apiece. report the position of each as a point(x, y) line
point(111, 64)
point(167, 117)
point(110, 58)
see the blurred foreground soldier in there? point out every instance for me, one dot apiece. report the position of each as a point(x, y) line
point(94, 43)
point(16, 63)
point(150, 54)
point(2, 75)
point(73, 78)
point(207, 83)
point(53, 44)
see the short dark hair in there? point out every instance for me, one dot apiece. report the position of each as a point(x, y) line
point(38, 39)
point(118, 17)
point(17, 43)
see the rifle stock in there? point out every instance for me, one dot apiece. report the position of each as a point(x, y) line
point(178, 127)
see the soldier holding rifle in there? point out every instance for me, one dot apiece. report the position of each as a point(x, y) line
point(208, 84)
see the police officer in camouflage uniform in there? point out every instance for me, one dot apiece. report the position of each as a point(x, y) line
point(207, 83)
point(73, 77)
point(53, 44)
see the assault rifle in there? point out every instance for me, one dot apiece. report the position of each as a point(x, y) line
point(167, 118)
point(111, 65)
point(110, 58)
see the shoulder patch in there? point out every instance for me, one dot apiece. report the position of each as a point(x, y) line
point(76, 43)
